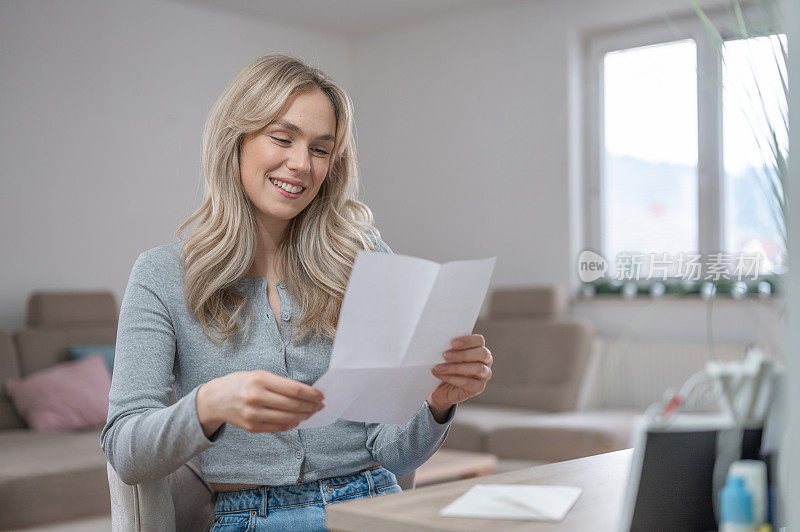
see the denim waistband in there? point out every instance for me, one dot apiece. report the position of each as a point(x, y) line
point(262, 499)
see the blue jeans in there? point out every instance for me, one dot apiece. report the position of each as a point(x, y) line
point(299, 506)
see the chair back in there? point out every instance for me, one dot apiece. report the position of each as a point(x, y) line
point(182, 501)
point(408, 482)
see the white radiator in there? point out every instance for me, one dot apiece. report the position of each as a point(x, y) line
point(632, 374)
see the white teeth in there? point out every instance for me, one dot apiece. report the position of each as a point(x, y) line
point(286, 186)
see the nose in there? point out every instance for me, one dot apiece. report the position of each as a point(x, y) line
point(299, 159)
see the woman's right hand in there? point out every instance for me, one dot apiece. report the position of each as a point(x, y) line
point(257, 401)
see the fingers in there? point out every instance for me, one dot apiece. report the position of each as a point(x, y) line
point(472, 386)
point(275, 417)
point(475, 354)
point(277, 401)
point(290, 388)
point(265, 411)
point(466, 342)
point(271, 403)
point(468, 367)
point(259, 419)
point(474, 370)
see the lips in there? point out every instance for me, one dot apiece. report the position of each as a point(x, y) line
point(296, 192)
point(290, 181)
point(287, 187)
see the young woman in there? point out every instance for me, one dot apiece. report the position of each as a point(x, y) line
point(239, 316)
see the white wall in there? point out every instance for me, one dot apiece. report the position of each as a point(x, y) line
point(462, 130)
point(750, 321)
point(103, 105)
point(469, 133)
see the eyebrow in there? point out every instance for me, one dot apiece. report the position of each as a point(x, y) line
point(296, 129)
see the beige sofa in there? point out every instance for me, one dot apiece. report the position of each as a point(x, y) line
point(47, 478)
point(529, 408)
point(52, 477)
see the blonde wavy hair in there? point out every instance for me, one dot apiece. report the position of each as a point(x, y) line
point(319, 247)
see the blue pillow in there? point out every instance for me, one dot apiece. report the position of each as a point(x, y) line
point(81, 351)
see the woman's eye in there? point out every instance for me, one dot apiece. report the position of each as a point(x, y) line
point(318, 151)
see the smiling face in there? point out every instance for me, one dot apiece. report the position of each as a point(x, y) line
point(284, 164)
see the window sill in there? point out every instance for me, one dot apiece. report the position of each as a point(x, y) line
point(690, 299)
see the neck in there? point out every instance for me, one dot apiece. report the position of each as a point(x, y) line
point(269, 234)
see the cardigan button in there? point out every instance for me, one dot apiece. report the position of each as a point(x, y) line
point(298, 454)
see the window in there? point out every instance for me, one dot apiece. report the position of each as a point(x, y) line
point(678, 147)
point(650, 149)
point(752, 223)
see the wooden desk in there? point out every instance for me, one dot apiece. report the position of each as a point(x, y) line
point(603, 479)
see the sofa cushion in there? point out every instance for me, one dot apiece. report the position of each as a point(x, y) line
point(71, 309)
point(465, 437)
point(33, 470)
point(67, 396)
point(9, 368)
point(563, 436)
point(77, 352)
point(41, 348)
point(486, 418)
point(524, 434)
point(538, 364)
point(527, 302)
point(473, 423)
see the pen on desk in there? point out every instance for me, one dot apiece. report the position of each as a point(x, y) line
point(518, 504)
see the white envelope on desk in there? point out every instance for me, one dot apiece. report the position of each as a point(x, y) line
point(398, 317)
point(514, 501)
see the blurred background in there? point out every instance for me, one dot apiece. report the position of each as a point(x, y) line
point(654, 133)
point(471, 119)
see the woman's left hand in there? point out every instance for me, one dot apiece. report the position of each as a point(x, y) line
point(467, 369)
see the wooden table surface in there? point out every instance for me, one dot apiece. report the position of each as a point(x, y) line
point(603, 479)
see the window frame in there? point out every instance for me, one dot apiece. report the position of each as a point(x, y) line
point(710, 164)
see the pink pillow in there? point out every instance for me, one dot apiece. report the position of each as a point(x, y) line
point(70, 395)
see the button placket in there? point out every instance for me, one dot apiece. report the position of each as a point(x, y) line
point(271, 324)
point(286, 312)
point(285, 309)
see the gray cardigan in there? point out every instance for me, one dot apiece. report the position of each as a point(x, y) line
point(160, 346)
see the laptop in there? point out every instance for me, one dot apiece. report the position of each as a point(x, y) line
point(678, 468)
